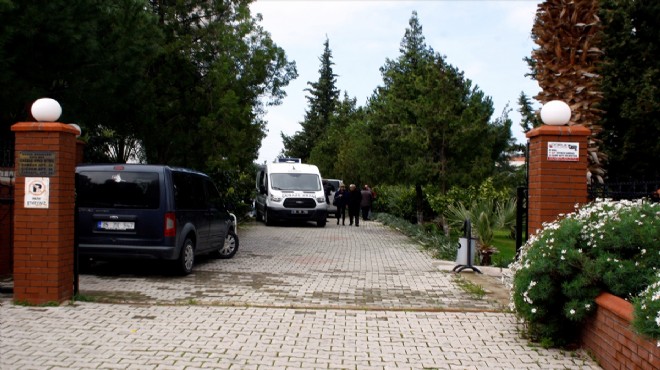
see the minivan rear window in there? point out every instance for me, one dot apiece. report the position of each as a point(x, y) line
point(118, 189)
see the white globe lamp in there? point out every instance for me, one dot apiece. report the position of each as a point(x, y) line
point(77, 128)
point(46, 110)
point(555, 113)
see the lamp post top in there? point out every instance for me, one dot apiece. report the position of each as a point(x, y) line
point(555, 113)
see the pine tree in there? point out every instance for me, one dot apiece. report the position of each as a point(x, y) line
point(428, 118)
point(322, 102)
point(529, 118)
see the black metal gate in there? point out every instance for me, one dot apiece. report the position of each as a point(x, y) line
point(617, 189)
point(521, 207)
point(6, 205)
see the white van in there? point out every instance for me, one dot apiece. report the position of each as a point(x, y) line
point(290, 191)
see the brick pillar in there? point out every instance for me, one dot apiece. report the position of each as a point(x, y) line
point(44, 221)
point(557, 174)
point(80, 149)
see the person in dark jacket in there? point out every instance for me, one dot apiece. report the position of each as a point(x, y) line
point(354, 200)
point(341, 200)
point(365, 203)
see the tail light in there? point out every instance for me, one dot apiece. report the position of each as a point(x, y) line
point(170, 225)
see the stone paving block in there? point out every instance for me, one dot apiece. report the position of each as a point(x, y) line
point(294, 297)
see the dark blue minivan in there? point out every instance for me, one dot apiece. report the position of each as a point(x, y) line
point(151, 211)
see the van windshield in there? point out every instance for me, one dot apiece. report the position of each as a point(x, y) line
point(118, 189)
point(295, 181)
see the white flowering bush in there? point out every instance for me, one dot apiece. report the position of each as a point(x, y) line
point(603, 246)
point(647, 311)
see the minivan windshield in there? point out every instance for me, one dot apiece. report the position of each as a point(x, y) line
point(118, 189)
point(295, 181)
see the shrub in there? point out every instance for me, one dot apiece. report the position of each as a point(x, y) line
point(604, 246)
point(431, 238)
point(647, 311)
point(397, 200)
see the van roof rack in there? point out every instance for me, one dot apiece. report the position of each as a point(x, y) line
point(288, 160)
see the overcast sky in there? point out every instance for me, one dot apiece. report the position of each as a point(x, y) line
point(486, 39)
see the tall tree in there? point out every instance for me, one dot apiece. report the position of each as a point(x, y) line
point(631, 71)
point(325, 153)
point(183, 81)
point(210, 116)
point(322, 102)
point(90, 55)
point(566, 65)
point(429, 119)
point(529, 118)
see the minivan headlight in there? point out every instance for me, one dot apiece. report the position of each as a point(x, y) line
point(320, 200)
point(275, 199)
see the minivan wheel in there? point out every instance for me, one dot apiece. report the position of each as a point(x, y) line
point(229, 247)
point(187, 257)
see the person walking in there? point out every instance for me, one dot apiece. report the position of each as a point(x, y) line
point(365, 202)
point(341, 200)
point(354, 200)
point(373, 199)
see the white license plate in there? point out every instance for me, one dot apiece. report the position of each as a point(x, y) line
point(116, 225)
point(299, 212)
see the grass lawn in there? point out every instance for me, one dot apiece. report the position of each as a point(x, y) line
point(506, 246)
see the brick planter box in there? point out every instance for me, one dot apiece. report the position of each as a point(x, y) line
point(609, 338)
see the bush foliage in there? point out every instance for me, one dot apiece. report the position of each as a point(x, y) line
point(432, 239)
point(604, 246)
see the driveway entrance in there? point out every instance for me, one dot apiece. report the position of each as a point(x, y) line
point(294, 297)
point(366, 267)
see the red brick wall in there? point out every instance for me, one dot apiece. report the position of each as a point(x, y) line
point(43, 238)
point(608, 337)
point(555, 187)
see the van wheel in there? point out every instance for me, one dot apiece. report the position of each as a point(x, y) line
point(267, 219)
point(229, 248)
point(258, 215)
point(187, 257)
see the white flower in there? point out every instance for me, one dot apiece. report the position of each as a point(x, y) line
point(533, 310)
point(587, 306)
point(572, 311)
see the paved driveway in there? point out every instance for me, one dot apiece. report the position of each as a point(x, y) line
point(293, 297)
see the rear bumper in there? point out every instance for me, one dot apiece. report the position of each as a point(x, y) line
point(112, 251)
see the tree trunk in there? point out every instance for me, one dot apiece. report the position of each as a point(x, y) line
point(419, 197)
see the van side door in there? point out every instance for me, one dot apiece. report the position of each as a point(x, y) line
point(191, 207)
point(217, 215)
point(262, 191)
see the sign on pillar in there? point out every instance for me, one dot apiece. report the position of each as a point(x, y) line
point(36, 192)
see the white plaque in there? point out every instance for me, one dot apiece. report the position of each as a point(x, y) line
point(564, 152)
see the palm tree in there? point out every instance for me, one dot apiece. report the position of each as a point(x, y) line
point(566, 66)
point(485, 215)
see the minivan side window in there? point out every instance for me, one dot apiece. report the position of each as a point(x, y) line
point(215, 199)
point(189, 191)
point(119, 189)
